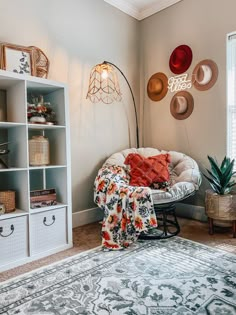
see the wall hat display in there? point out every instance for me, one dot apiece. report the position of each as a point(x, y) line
point(180, 59)
point(181, 105)
point(157, 86)
point(205, 75)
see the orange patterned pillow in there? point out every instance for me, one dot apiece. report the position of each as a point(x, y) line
point(146, 171)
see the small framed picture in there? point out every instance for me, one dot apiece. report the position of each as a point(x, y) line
point(17, 59)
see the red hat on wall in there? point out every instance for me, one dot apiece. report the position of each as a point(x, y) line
point(180, 59)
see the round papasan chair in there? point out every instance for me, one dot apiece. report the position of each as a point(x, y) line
point(137, 189)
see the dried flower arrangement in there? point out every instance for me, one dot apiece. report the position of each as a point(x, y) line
point(40, 112)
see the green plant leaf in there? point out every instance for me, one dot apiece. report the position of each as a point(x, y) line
point(231, 184)
point(223, 163)
point(220, 177)
point(214, 176)
point(212, 181)
point(226, 191)
point(215, 186)
point(214, 166)
point(227, 174)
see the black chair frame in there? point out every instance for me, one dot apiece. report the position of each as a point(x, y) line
point(168, 225)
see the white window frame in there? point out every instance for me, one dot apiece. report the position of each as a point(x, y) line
point(231, 94)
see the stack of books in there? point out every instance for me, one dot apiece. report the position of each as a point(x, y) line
point(43, 198)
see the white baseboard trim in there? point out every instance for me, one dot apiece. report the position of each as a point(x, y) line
point(191, 211)
point(87, 216)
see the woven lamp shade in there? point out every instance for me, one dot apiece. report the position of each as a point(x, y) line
point(103, 85)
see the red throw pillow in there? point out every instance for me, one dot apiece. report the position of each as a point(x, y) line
point(146, 171)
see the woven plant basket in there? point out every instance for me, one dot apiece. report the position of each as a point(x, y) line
point(220, 207)
point(7, 197)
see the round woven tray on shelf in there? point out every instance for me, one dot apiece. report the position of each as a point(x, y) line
point(7, 197)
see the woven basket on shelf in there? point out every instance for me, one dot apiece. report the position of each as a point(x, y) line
point(41, 62)
point(7, 197)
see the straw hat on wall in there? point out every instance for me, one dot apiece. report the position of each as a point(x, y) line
point(205, 75)
point(181, 105)
point(157, 86)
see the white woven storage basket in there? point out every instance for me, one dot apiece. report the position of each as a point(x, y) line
point(13, 239)
point(48, 230)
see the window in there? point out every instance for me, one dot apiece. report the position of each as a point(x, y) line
point(231, 95)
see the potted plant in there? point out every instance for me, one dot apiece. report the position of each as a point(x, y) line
point(220, 201)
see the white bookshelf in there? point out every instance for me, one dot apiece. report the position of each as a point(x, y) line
point(28, 234)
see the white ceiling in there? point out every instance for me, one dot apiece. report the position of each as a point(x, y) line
point(140, 9)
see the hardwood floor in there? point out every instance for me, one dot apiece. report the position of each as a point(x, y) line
point(88, 236)
point(198, 232)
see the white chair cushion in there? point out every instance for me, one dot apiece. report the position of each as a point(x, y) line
point(185, 177)
point(177, 192)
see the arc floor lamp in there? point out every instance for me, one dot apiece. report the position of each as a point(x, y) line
point(104, 87)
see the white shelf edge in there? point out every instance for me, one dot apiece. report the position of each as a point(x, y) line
point(13, 169)
point(30, 78)
point(16, 213)
point(43, 209)
point(46, 167)
point(44, 126)
point(9, 124)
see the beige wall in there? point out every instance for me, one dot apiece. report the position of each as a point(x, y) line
point(76, 35)
point(203, 25)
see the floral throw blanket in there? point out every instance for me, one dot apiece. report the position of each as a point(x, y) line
point(128, 210)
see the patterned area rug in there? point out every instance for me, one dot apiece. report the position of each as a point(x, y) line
point(173, 276)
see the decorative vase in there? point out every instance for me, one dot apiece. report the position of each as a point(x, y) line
point(39, 151)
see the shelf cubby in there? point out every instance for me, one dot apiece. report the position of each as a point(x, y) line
point(57, 143)
point(13, 101)
point(50, 178)
point(16, 136)
point(17, 181)
point(53, 95)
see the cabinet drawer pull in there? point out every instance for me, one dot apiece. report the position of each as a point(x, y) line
point(1, 230)
point(53, 220)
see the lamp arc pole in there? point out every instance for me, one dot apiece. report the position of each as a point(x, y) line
point(132, 94)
